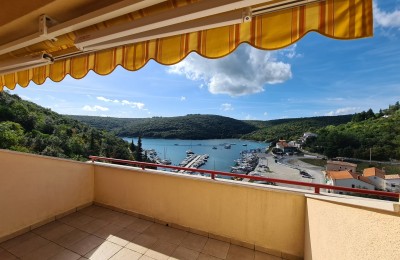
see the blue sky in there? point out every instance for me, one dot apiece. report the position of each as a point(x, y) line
point(315, 77)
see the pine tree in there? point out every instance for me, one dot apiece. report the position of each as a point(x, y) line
point(139, 150)
point(132, 146)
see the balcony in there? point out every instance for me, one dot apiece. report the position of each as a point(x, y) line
point(61, 209)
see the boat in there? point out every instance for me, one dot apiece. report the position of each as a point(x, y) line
point(214, 147)
point(166, 162)
point(244, 144)
point(227, 146)
point(189, 152)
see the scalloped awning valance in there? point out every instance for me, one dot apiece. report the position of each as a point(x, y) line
point(167, 31)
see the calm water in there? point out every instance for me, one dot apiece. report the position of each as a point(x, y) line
point(221, 159)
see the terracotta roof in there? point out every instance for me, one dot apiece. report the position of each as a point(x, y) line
point(392, 176)
point(345, 175)
point(283, 144)
point(368, 172)
point(342, 163)
point(340, 175)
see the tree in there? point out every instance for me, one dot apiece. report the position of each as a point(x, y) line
point(132, 146)
point(139, 150)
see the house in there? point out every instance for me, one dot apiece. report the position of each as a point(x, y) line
point(392, 182)
point(340, 166)
point(348, 179)
point(285, 147)
point(376, 176)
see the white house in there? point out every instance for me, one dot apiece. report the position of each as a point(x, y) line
point(376, 176)
point(348, 179)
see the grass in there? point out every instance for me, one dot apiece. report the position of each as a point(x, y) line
point(316, 162)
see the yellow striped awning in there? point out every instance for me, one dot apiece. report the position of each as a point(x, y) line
point(338, 19)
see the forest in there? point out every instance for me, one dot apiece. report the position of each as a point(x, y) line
point(368, 133)
point(27, 127)
point(197, 126)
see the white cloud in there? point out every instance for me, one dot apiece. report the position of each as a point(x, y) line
point(183, 98)
point(104, 99)
point(226, 107)
point(335, 99)
point(386, 19)
point(137, 105)
point(243, 72)
point(343, 111)
point(94, 108)
point(265, 113)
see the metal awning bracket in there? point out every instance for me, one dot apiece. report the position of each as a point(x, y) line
point(45, 22)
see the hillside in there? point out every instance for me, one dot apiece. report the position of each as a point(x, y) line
point(368, 132)
point(293, 128)
point(27, 127)
point(181, 127)
point(211, 126)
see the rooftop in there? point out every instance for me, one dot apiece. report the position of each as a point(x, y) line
point(373, 171)
point(392, 176)
point(63, 209)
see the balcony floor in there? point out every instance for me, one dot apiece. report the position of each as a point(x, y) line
point(100, 233)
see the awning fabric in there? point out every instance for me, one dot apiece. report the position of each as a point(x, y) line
point(338, 19)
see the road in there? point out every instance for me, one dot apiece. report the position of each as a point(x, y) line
point(287, 168)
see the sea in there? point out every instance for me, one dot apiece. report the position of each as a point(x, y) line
point(220, 159)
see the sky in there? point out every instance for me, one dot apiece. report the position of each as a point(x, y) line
point(317, 76)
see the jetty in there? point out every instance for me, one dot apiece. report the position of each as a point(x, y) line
point(193, 161)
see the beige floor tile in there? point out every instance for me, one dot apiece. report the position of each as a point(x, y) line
point(5, 255)
point(65, 255)
point(86, 245)
point(207, 257)
point(71, 238)
point(174, 236)
point(141, 243)
point(108, 230)
point(194, 241)
point(161, 250)
point(240, 253)
point(183, 253)
point(93, 225)
point(105, 251)
point(145, 257)
point(76, 219)
point(44, 252)
point(216, 248)
point(157, 230)
point(29, 245)
point(17, 240)
point(263, 256)
point(53, 230)
point(123, 237)
point(124, 220)
point(109, 215)
point(140, 225)
point(126, 254)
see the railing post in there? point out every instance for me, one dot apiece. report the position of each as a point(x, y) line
point(316, 190)
point(213, 176)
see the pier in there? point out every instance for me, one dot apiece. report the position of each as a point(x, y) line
point(193, 161)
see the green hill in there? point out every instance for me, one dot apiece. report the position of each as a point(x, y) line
point(180, 127)
point(292, 128)
point(27, 127)
point(211, 126)
point(368, 132)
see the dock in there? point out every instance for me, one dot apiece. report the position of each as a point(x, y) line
point(193, 161)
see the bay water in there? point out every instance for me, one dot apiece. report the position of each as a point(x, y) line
point(221, 159)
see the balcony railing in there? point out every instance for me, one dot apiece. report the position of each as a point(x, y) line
point(213, 174)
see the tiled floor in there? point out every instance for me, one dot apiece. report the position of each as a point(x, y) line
point(100, 233)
